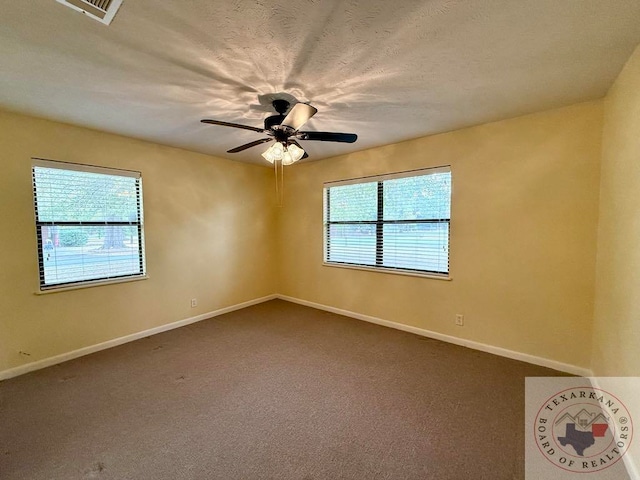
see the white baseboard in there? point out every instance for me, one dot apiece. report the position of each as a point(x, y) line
point(47, 362)
point(628, 459)
point(503, 352)
point(630, 465)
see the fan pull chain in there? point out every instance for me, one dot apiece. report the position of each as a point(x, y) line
point(279, 168)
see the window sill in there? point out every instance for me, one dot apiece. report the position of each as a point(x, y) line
point(96, 283)
point(408, 273)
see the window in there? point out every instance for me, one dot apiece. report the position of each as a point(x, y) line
point(397, 222)
point(88, 224)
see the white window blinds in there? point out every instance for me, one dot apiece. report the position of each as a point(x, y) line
point(394, 222)
point(88, 223)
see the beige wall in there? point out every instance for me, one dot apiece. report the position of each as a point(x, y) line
point(616, 338)
point(523, 235)
point(209, 235)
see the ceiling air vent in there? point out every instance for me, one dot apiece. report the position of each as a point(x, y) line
point(101, 10)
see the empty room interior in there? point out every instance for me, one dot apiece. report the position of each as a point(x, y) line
point(311, 240)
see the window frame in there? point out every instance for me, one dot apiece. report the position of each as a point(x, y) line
point(380, 223)
point(39, 224)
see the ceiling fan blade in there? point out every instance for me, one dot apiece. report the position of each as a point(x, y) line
point(229, 124)
point(249, 145)
point(306, 155)
point(328, 136)
point(299, 115)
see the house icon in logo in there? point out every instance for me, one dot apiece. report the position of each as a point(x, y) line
point(583, 419)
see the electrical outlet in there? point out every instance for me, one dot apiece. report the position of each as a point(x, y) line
point(194, 302)
point(459, 319)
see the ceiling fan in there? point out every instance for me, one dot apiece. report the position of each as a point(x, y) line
point(284, 132)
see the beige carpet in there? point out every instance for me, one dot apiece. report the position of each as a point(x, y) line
point(275, 391)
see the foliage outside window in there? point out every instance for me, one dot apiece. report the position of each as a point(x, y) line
point(88, 223)
point(397, 222)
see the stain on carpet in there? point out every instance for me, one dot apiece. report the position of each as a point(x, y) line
point(95, 470)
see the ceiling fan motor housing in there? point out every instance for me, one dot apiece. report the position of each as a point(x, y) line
point(272, 121)
point(281, 106)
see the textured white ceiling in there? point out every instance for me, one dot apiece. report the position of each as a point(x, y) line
point(388, 71)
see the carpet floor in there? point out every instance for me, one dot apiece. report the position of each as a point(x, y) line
point(274, 391)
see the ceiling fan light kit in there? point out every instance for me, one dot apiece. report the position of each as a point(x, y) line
point(295, 152)
point(286, 154)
